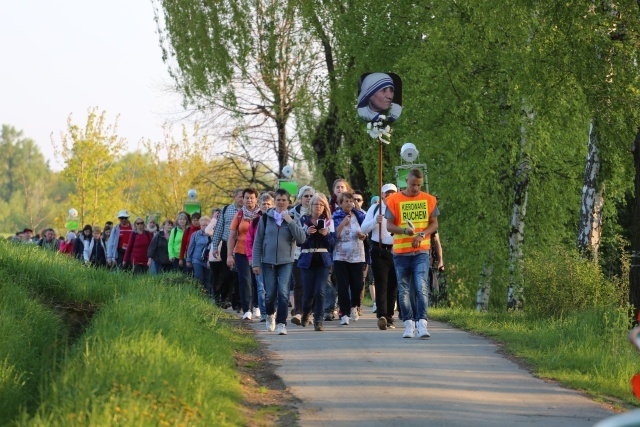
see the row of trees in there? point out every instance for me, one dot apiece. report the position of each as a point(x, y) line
point(99, 178)
point(504, 104)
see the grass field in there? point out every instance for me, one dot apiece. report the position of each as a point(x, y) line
point(154, 352)
point(584, 350)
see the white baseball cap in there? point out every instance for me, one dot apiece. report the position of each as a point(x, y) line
point(389, 187)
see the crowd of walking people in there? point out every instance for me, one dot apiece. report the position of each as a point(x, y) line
point(249, 255)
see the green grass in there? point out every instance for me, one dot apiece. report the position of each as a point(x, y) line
point(587, 351)
point(156, 352)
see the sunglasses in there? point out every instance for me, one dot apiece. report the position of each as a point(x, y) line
point(308, 195)
point(139, 223)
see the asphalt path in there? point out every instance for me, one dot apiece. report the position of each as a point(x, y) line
point(358, 375)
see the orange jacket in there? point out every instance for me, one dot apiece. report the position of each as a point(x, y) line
point(418, 210)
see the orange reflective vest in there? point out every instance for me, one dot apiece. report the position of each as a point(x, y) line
point(418, 210)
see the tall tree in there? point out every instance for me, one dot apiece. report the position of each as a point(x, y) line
point(90, 155)
point(249, 65)
point(25, 182)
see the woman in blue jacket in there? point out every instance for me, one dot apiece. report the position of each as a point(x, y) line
point(316, 258)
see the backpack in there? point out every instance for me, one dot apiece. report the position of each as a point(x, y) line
point(204, 256)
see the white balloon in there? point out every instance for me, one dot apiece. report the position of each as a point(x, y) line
point(192, 194)
point(287, 171)
point(73, 213)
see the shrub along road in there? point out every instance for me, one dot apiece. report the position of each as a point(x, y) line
point(357, 375)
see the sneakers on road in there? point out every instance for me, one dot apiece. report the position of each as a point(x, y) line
point(281, 329)
point(271, 323)
point(296, 320)
point(409, 326)
point(256, 312)
point(263, 317)
point(355, 316)
point(374, 308)
point(422, 329)
point(318, 327)
point(382, 324)
point(246, 317)
point(344, 320)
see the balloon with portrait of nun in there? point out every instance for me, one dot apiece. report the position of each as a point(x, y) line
point(379, 94)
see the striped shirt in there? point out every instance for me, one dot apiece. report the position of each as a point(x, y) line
point(223, 227)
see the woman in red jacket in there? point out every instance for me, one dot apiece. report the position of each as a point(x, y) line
point(136, 253)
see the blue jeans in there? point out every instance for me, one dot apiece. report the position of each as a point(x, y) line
point(276, 284)
point(412, 272)
point(245, 281)
point(314, 281)
point(261, 293)
point(203, 275)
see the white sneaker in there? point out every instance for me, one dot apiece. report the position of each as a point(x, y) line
point(374, 308)
point(422, 329)
point(282, 329)
point(246, 316)
point(256, 311)
point(297, 319)
point(354, 314)
point(344, 320)
point(409, 326)
point(271, 323)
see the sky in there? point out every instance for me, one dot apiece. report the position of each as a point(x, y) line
point(64, 57)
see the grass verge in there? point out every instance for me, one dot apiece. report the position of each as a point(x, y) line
point(586, 351)
point(154, 353)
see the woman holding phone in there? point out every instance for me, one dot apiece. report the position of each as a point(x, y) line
point(348, 256)
point(316, 258)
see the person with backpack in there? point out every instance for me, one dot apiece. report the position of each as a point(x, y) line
point(118, 240)
point(228, 293)
point(237, 250)
point(302, 208)
point(95, 253)
point(186, 238)
point(175, 240)
point(384, 273)
point(273, 256)
point(266, 203)
point(159, 248)
point(81, 242)
point(137, 248)
point(197, 255)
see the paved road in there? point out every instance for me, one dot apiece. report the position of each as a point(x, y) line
point(357, 375)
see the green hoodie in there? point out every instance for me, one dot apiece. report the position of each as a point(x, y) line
point(175, 240)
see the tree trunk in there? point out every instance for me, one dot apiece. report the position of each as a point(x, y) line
point(484, 287)
point(590, 226)
point(634, 270)
point(516, 234)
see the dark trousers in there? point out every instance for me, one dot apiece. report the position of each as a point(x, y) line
point(298, 289)
point(245, 281)
point(349, 281)
point(384, 276)
point(175, 265)
point(140, 269)
point(216, 272)
point(314, 281)
point(228, 280)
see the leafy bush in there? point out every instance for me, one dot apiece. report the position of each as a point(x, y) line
point(558, 281)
